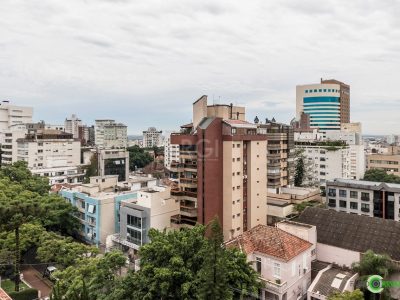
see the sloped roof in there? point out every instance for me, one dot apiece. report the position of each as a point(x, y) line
point(354, 232)
point(271, 241)
point(4, 295)
point(332, 281)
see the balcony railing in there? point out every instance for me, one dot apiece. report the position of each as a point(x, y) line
point(274, 287)
point(365, 209)
point(332, 194)
point(331, 204)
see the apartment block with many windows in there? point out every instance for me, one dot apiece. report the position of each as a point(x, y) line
point(374, 199)
point(221, 169)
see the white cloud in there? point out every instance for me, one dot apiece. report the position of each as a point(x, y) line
point(144, 62)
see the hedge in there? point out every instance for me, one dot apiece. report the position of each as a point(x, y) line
point(28, 294)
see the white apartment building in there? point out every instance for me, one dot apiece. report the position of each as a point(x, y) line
point(109, 134)
point(325, 162)
point(171, 152)
point(71, 125)
point(152, 137)
point(8, 142)
point(14, 115)
point(61, 174)
point(49, 149)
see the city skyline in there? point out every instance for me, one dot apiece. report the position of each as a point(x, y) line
point(144, 64)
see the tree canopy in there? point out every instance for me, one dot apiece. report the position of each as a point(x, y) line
point(354, 295)
point(138, 157)
point(380, 175)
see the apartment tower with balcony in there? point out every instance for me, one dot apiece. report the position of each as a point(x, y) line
point(221, 169)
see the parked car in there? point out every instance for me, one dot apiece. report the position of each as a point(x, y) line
point(49, 273)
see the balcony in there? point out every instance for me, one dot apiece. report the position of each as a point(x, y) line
point(331, 204)
point(365, 209)
point(188, 180)
point(364, 198)
point(188, 211)
point(274, 287)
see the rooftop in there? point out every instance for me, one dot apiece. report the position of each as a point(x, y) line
point(271, 241)
point(354, 232)
point(364, 184)
point(332, 281)
point(4, 295)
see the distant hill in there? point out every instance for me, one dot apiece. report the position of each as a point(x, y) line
point(135, 137)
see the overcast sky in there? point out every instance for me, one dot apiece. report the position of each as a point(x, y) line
point(144, 62)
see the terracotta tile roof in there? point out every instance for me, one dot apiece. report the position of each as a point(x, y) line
point(271, 241)
point(4, 295)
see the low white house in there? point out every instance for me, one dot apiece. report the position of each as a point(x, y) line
point(283, 261)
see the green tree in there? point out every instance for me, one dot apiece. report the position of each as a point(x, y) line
point(373, 264)
point(24, 199)
point(94, 276)
point(299, 172)
point(63, 251)
point(138, 157)
point(354, 295)
point(380, 175)
point(212, 277)
point(92, 168)
point(182, 264)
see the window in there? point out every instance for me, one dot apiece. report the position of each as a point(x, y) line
point(233, 174)
point(354, 194)
point(134, 221)
point(91, 209)
point(364, 207)
point(238, 145)
point(332, 192)
point(364, 196)
point(343, 193)
point(332, 203)
point(353, 205)
point(238, 159)
point(320, 90)
point(134, 236)
point(83, 204)
point(258, 265)
point(342, 203)
point(237, 173)
point(277, 269)
point(233, 145)
point(238, 187)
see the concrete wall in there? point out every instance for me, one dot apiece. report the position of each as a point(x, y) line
point(339, 256)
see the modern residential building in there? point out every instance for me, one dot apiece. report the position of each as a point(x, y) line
point(72, 126)
point(152, 208)
point(8, 143)
point(280, 149)
point(98, 205)
point(109, 134)
point(283, 261)
point(327, 104)
point(221, 170)
point(113, 162)
point(325, 160)
point(152, 137)
point(374, 199)
point(14, 115)
point(171, 152)
point(343, 238)
point(49, 149)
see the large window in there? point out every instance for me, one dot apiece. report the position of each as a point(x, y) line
point(364, 207)
point(342, 203)
point(343, 193)
point(353, 205)
point(134, 221)
point(332, 192)
point(134, 236)
point(365, 196)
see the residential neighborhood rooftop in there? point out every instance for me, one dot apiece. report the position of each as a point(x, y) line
point(271, 241)
point(354, 232)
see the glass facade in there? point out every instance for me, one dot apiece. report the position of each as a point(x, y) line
point(324, 111)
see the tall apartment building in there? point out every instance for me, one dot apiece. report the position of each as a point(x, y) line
point(325, 162)
point(327, 103)
point(8, 142)
point(280, 147)
point(351, 134)
point(109, 134)
point(152, 137)
point(373, 199)
point(171, 152)
point(221, 169)
point(11, 115)
point(113, 162)
point(48, 149)
point(72, 126)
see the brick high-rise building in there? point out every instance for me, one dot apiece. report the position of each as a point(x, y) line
point(221, 169)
